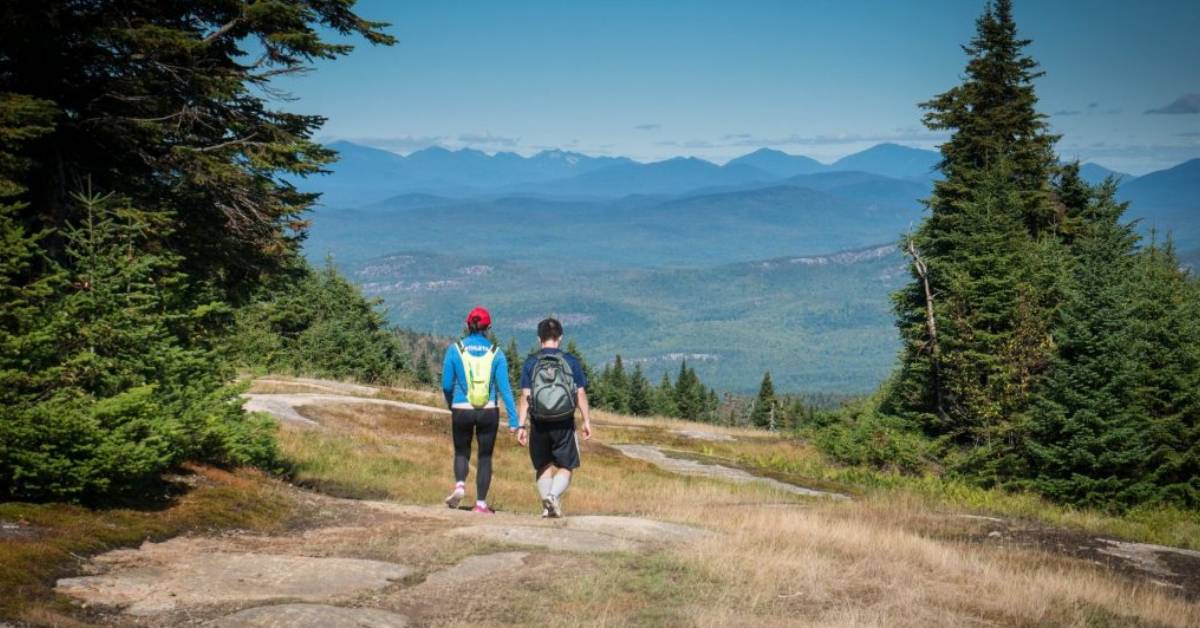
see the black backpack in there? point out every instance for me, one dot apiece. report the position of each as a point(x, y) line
point(552, 387)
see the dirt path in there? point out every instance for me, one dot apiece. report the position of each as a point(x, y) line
point(684, 466)
point(284, 405)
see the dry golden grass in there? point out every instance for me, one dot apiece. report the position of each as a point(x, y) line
point(55, 536)
point(776, 559)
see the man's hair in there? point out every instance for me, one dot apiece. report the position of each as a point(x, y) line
point(550, 329)
point(476, 327)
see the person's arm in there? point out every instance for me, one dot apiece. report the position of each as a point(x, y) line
point(448, 376)
point(500, 376)
point(523, 417)
point(586, 411)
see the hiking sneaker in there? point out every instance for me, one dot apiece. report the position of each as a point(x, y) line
point(456, 497)
point(545, 513)
point(553, 507)
point(483, 510)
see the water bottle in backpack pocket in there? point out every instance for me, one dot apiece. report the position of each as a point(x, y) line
point(552, 388)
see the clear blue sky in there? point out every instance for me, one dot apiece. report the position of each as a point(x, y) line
point(652, 80)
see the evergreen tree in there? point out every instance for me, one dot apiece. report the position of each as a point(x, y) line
point(1087, 437)
point(617, 388)
point(1166, 343)
point(124, 393)
point(765, 412)
point(992, 116)
point(513, 355)
point(317, 323)
point(640, 393)
point(600, 395)
point(989, 340)
point(664, 398)
point(973, 321)
point(170, 105)
point(688, 396)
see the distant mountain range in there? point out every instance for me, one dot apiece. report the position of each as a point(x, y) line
point(681, 256)
point(882, 179)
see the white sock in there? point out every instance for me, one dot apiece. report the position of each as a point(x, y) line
point(479, 503)
point(544, 485)
point(460, 486)
point(560, 484)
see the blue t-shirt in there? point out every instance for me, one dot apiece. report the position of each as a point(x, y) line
point(576, 368)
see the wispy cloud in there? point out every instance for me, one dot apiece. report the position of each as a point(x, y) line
point(1189, 134)
point(487, 139)
point(399, 144)
point(1187, 103)
point(649, 126)
point(1068, 112)
point(747, 139)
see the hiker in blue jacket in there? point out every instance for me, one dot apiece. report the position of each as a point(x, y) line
point(472, 373)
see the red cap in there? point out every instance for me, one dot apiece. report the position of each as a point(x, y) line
point(479, 317)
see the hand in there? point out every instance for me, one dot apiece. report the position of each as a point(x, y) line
point(587, 430)
point(523, 437)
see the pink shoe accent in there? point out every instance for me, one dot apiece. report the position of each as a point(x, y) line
point(483, 510)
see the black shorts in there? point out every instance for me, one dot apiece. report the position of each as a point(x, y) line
point(553, 443)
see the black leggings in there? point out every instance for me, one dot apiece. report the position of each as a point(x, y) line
point(483, 424)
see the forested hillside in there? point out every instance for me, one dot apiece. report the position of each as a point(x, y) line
point(821, 322)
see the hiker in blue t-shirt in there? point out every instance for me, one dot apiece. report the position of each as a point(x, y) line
point(553, 386)
point(472, 373)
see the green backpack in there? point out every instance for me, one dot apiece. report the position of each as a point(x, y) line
point(479, 374)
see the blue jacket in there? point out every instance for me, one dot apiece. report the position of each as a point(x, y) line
point(454, 376)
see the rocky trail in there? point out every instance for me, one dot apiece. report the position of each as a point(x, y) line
point(366, 563)
point(363, 563)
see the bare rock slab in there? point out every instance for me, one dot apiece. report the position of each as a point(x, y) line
point(589, 534)
point(474, 568)
point(310, 616)
point(162, 577)
point(551, 537)
point(684, 466)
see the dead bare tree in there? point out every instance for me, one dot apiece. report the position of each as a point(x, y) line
point(930, 324)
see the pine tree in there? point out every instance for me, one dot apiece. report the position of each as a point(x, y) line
point(513, 355)
point(617, 387)
point(1087, 439)
point(987, 337)
point(764, 415)
point(640, 394)
point(124, 394)
point(689, 394)
point(599, 393)
point(993, 116)
point(1166, 342)
point(664, 398)
point(973, 320)
point(170, 105)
